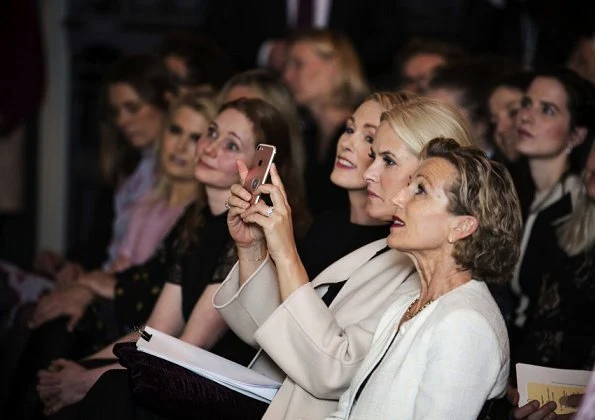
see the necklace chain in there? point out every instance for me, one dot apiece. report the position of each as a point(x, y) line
point(409, 315)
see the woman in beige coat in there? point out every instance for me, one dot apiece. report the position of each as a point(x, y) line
point(311, 341)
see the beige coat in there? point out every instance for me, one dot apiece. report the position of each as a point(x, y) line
point(313, 349)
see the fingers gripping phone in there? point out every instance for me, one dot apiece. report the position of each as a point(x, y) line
point(259, 173)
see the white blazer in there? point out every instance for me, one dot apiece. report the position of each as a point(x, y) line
point(442, 364)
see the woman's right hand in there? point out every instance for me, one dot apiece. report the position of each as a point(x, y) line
point(245, 235)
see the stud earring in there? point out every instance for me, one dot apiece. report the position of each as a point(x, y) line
point(568, 149)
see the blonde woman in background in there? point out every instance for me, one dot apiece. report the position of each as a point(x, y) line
point(108, 304)
point(326, 79)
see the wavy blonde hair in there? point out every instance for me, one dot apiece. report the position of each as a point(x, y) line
point(389, 100)
point(351, 86)
point(577, 234)
point(422, 119)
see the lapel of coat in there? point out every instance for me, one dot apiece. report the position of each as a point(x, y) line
point(342, 269)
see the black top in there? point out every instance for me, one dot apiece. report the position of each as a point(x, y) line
point(208, 262)
point(332, 236)
point(560, 330)
point(542, 246)
point(138, 287)
point(321, 193)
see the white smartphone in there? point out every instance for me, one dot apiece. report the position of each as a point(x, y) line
point(259, 173)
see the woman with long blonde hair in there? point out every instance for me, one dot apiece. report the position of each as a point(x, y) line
point(326, 79)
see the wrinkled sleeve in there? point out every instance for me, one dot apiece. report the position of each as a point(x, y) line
point(247, 307)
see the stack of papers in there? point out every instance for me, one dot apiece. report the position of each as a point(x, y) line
point(209, 365)
point(547, 384)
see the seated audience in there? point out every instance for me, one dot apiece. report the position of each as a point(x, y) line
point(205, 251)
point(443, 351)
point(137, 94)
point(333, 234)
point(314, 334)
point(560, 331)
point(555, 131)
point(101, 306)
point(137, 90)
point(416, 61)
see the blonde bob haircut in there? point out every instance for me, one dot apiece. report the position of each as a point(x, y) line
point(422, 119)
point(351, 86)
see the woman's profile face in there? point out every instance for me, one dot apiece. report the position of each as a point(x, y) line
point(504, 104)
point(185, 128)
point(392, 165)
point(138, 120)
point(544, 120)
point(353, 148)
point(309, 76)
point(229, 138)
point(421, 220)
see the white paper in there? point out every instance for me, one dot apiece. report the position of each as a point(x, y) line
point(548, 384)
point(587, 408)
point(209, 365)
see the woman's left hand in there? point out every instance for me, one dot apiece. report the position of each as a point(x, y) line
point(63, 383)
point(533, 411)
point(71, 302)
point(275, 221)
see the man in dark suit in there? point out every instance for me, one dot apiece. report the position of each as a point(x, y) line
point(255, 31)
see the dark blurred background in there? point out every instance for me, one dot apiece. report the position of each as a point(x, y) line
point(55, 53)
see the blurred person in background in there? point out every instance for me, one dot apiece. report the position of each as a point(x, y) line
point(267, 85)
point(465, 84)
point(195, 61)
point(554, 278)
point(582, 57)
point(22, 83)
point(415, 62)
point(205, 252)
point(262, 29)
point(504, 103)
point(325, 77)
point(137, 94)
point(81, 318)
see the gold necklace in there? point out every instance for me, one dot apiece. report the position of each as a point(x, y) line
point(409, 315)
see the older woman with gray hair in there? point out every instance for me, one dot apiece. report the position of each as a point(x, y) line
point(442, 352)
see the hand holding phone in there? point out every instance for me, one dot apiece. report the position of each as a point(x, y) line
point(259, 173)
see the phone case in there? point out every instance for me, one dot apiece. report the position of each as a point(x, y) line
point(259, 173)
